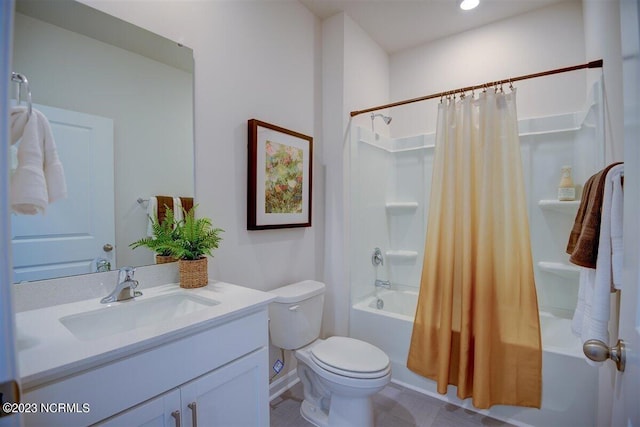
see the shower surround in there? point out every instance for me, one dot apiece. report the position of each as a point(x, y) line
point(390, 180)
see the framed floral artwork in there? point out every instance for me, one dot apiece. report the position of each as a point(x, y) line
point(279, 177)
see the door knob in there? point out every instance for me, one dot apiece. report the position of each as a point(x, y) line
point(598, 351)
point(107, 247)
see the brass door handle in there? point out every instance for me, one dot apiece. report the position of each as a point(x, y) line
point(598, 351)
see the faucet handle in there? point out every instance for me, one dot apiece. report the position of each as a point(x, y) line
point(376, 258)
point(126, 273)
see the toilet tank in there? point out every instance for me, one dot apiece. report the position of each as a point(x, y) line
point(295, 315)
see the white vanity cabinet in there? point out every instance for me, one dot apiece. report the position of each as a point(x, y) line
point(220, 365)
point(229, 396)
point(162, 411)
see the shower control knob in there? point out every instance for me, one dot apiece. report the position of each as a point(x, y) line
point(598, 351)
point(376, 258)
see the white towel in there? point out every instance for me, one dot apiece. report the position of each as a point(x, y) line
point(581, 322)
point(591, 317)
point(39, 177)
point(13, 159)
point(616, 225)
point(152, 214)
point(177, 209)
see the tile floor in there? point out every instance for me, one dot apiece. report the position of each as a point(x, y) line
point(395, 406)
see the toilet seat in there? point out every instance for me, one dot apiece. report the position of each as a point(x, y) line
point(350, 357)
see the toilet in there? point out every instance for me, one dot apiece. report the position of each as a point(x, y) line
point(338, 374)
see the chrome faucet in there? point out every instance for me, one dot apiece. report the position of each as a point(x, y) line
point(124, 288)
point(383, 284)
point(102, 264)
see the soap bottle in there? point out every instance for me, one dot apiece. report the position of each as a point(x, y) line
point(566, 189)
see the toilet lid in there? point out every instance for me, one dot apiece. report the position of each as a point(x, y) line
point(350, 357)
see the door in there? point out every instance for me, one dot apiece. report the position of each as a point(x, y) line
point(626, 411)
point(72, 233)
point(235, 395)
point(8, 369)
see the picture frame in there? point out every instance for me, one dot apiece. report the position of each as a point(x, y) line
point(279, 179)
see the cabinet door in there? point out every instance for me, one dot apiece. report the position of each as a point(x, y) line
point(158, 412)
point(234, 395)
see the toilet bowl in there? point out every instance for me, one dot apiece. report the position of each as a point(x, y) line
point(337, 392)
point(338, 374)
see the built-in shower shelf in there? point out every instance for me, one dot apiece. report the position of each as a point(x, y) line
point(401, 207)
point(567, 271)
point(401, 255)
point(569, 207)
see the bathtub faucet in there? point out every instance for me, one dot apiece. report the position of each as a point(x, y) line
point(383, 284)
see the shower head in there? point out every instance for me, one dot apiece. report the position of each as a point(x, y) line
point(387, 119)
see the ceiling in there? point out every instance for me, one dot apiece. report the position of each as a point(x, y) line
point(401, 24)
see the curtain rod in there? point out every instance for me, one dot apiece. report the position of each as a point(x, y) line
point(593, 64)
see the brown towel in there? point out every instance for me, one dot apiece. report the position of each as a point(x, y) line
point(164, 202)
point(187, 203)
point(585, 235)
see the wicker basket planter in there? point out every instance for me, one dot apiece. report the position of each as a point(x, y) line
point(193, 273)
point(163, 259)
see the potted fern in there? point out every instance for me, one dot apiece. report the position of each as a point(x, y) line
point(162, 233)
point(195, 239)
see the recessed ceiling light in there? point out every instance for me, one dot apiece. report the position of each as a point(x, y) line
point(469, 4)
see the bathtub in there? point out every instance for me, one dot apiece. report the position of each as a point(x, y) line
point(570, 384)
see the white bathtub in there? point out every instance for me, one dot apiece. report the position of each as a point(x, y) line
point(569, 384)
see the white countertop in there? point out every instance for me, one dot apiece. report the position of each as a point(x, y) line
point(48, 351)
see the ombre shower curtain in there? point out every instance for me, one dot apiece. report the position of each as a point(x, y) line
point(477, 324)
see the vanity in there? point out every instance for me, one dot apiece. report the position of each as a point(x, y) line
point(170, 357)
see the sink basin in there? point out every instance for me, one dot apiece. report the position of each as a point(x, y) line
point(132, 314)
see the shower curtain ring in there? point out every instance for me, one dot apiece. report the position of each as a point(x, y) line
point(510, 85)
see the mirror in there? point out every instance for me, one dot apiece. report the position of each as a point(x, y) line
point(100, 80)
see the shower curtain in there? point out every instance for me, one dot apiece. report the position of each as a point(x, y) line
point(477, 324)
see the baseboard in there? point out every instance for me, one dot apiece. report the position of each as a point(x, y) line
point(283, 384)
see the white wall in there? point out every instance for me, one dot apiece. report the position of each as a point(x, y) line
point(149, 102)
point(258, 60)
point(544, 39)
point(602, 40)
point(355, 73)
point(253, 59)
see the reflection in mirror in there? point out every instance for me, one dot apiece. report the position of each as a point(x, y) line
point(120, 103)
